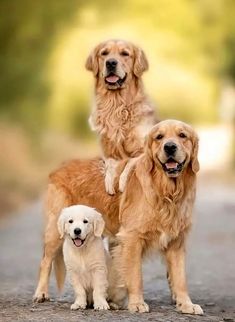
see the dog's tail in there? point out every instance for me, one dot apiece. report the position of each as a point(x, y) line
point(60, 271)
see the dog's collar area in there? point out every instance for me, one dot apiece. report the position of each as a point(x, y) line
point(78, 242)
point(172, 167)
point(114, 80)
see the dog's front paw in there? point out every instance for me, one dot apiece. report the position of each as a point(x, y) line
point(122, 183)
point(40, 297)
point(190, 308)
point(141, 307)
point(109, 187)
point(78, 306)
point(101, 304)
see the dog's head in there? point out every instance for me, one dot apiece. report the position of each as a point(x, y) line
point(116, 62)
point(172, 146)
point(80, 223)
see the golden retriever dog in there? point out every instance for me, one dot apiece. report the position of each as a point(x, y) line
point(84, 255)
point(122, 114)
point(155, 214)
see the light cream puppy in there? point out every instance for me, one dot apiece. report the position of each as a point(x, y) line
point(84, 255)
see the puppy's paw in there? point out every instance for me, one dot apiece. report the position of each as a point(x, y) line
point(78, 306)
point(40, 297)
point(141, 307)
point(190, 308)
point(101, 304)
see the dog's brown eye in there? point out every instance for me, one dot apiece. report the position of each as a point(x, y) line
point(159, 136)
point(124, 53)
point(104, 53)
point(182, 135)
point(70, 221)
point(85, 221)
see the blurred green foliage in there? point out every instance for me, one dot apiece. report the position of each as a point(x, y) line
point(44, 44)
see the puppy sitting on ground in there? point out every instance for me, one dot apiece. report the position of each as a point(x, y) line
point(84, 255)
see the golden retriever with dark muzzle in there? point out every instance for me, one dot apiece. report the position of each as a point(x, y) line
point(155, 214)
point(122, 114)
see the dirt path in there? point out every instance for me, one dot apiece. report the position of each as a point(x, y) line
point(211, 269)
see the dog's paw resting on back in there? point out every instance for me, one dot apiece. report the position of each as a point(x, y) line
point(125, 173)
point(110, 174)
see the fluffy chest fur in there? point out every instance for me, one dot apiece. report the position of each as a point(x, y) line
point(160, 211)
point(84, 261)
point(122, 123)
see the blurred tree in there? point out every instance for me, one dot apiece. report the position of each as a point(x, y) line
point(27, 30)
point(195, 38)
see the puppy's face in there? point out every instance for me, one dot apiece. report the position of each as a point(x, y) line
point(116, 62)
point(173, 146)
point(80, 223)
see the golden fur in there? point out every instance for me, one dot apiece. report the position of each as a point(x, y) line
point(122, 114)
point(156, 214)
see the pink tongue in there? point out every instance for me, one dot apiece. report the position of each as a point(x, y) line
point(112, 79)
point(77, 242)
point(171, 165)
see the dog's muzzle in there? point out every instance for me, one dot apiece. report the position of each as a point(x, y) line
point(78, 242)
point(112, 78)
point(172, 167)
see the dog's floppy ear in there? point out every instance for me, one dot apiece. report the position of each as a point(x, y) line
point(61, 224)
point(194, 159)
point(99, 224)
point(143, 171)
point(140, 62)
point(148, 160)
point(92, 61)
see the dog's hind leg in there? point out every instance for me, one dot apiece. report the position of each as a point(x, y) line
point(56, 201)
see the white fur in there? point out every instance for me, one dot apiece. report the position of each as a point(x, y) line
point(110, 174)
point(86, 265)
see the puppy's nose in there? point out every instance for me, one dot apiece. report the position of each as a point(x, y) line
point(170, 148)
point(77, 231)
point(111, 63)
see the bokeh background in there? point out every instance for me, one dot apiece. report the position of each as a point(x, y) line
point(46, 93)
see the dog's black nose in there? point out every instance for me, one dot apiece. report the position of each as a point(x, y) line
point(77, 231)
point(111, 63)
point(170, 148)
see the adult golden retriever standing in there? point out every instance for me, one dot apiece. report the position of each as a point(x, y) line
point(156, 214)
point(122, 114)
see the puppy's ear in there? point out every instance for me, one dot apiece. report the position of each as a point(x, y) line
point(92, 62)
point(99, 224)
point(194, 159)
point(140, 62)
point(61, 224)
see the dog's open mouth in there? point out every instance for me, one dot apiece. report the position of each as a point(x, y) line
point(172, 167)
point(78, 242)
point(114, 80)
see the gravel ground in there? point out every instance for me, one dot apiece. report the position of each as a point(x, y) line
point(210, 267)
